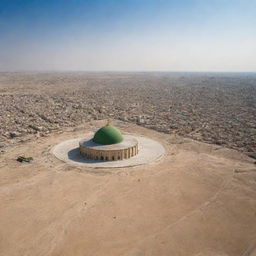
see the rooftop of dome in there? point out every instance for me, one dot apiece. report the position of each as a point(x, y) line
point(108, 135)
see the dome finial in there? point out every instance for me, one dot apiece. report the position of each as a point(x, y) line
point(108, 123)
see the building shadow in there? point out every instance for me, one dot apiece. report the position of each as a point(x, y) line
point(74, 155)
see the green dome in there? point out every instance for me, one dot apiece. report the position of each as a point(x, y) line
point(108, 135)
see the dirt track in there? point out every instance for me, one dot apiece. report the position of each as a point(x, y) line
point(198, 200)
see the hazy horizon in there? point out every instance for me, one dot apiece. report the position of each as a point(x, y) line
point(128, 36)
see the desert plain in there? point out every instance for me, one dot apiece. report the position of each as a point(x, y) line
point(199, 199)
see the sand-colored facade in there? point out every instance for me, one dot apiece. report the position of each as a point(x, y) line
point(111, 154)
point(119, 151)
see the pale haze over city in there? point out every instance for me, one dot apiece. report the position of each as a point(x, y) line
point(129, 35)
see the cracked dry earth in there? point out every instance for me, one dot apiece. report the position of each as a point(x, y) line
point(198, 200)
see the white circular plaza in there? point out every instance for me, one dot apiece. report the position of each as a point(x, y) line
point(148, 151)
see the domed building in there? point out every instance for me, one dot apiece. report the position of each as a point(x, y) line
point(109, 144)
point(108, 135)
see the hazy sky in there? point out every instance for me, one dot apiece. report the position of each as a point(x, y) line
point(134, 35)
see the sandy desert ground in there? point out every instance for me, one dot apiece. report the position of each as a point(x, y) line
point(198, 200)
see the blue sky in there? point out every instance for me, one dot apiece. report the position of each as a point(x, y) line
point(132, 35)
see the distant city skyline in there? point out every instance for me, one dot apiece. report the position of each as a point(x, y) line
point(128, 35)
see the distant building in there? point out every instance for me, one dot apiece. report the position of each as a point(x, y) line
point(109, 144)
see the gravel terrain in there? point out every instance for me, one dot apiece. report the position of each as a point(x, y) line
point(217, 108)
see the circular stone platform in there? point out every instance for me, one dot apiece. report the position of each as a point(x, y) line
point(149, 151)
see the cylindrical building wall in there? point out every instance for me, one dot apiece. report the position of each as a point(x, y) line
point(108, 155)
